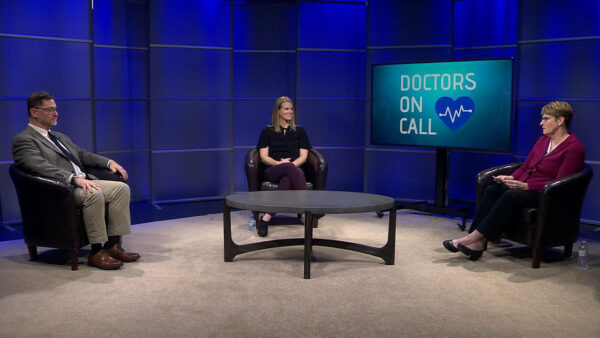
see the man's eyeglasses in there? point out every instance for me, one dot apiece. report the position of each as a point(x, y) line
point(49, 109)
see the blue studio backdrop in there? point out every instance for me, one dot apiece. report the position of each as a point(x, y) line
point(178, 91)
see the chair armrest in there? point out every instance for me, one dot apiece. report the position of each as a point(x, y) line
point(560, 204)
point(252, 168)
point(104, 174)
point(315, 169)
point(486, 177)
point(576, 182)
point(36, 185)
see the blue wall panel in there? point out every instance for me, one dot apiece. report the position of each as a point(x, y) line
point(346, 169)
point(333, 122)
point(402, 174)
point(331, 25)
point(120, 73)
point(555, 19)
point(190, 124)
point(528, 125)
point(183, 22)
point(550, 69)
point(250, 117)
point(264, 74)
point(193, 174)
point(485, 23)
point(590, 210)
point(122, 23)
point(240, 183)
point(185, 72)
point(57, 18)
point(137, 164)
point(9, 203)
point(14, 119)
point(75, 120)
point(584, 124)
point(487, 53)
point(31, 63)
point(122, 125)
point(265, 26)
point(463, 168)
point(400, 23)
point(62, 68)
point(331, 74)
point(405, 55)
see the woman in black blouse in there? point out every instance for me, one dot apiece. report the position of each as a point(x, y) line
point(283, 146)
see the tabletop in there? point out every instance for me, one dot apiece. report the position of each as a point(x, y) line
point(315, 201)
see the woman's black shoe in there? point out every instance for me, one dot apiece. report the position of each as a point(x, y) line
point(473, 254)
point(263, 228)
point(449, 246)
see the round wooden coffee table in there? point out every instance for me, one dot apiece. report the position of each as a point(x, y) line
point(309, 203)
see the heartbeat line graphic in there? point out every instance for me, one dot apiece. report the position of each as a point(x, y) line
point(456, 113)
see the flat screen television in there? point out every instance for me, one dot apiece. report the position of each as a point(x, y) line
point(454, 104)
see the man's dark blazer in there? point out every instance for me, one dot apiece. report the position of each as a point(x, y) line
point(35, 154)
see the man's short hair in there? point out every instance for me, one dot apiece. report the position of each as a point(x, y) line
point(36, 99)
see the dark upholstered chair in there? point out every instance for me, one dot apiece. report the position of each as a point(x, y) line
point(315, 170)
point(49, 213)
point(555, 222)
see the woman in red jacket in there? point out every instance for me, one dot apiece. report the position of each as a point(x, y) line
point(556, 154)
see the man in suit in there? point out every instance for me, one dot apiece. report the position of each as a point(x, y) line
point(42, 152)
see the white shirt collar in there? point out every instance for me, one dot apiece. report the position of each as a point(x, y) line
point(42, 131)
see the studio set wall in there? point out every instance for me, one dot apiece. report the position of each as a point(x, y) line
point(178, 91)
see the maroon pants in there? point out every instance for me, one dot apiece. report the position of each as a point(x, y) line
point(287, 176)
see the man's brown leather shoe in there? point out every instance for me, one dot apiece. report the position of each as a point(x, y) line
point(104, 261)
point(117, 252)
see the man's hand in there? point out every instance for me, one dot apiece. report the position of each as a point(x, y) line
point(86, 185)
point(116, 167)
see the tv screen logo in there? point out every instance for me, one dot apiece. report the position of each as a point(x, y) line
point(454, 113)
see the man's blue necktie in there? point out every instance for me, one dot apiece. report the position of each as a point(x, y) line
point(64, 151)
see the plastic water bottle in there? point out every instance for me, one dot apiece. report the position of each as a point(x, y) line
point(582, 257)
point(252, 224)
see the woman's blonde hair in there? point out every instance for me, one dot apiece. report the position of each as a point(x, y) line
point(275, 117)
point(558, 109)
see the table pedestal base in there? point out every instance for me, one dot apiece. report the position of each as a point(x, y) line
point(386, 252)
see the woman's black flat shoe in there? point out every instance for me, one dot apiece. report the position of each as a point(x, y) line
point(473, 254)
point(263, 228)
point(449, 246)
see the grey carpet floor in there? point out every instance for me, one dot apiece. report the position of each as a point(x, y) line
point(182, 286)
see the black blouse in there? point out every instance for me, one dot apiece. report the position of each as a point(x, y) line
point(283, 145)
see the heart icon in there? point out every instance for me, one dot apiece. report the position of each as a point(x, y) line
point(454, 113)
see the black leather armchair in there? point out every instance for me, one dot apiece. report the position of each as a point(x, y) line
point(315, 171)
point(555, 222)
point(49, 213)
